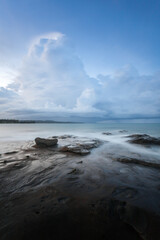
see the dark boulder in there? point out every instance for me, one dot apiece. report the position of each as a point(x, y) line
point(46, 142)
point(144, 139)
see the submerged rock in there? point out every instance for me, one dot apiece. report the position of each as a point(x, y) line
point(123, 131)
point(89, 144)
point(66, 136)
point(107, 133)
point(75, 149)
point(81, 147)
point(143, 139)
point(137, 161)
point(46, 142)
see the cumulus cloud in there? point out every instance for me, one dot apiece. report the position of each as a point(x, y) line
point(52, 76)
point(130, 93)
point(52, 79)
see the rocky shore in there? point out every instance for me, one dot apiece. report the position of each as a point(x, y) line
point(68, 187)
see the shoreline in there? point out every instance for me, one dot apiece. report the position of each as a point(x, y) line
point(49, 193)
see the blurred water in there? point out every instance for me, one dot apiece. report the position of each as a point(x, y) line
point(11, 132)
point(100, 166)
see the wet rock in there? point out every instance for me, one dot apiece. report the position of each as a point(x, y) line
point(63, 200)
point(137, 218)
point(44, 142)
point(81, 147)
point(137, 161)
point(143, 139)
point(107, 133)
point(74, 171)
point(66, 136)
point(13, 152)
point(124, 192)
point(123, 131)
point(75, 149)
point(132, 215)
point(89, 144)
point(80, 162)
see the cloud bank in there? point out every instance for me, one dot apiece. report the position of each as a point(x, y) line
point(53, 82)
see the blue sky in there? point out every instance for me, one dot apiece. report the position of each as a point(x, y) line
point(106, 50)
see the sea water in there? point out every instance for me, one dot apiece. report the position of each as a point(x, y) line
point(12, 132)
point(15, 135)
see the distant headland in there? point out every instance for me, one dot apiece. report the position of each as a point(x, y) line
point(31, 121)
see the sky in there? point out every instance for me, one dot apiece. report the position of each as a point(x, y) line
point(82, 60)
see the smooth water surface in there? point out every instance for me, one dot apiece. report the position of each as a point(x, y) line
point(11, 132)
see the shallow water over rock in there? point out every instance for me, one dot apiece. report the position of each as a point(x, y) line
point(116, 186)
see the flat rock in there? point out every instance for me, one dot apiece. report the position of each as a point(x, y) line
point(143, 139)
point(46, 142)
point(81, 147)
point(75, 149)
point(138, 162)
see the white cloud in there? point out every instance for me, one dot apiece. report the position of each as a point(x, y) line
point(52, 76)
point(52, 79)
point(44, 40)
point(7, 76)
point(130, 93)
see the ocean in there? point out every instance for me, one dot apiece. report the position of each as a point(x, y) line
point(12, 132)
point(14, 135)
